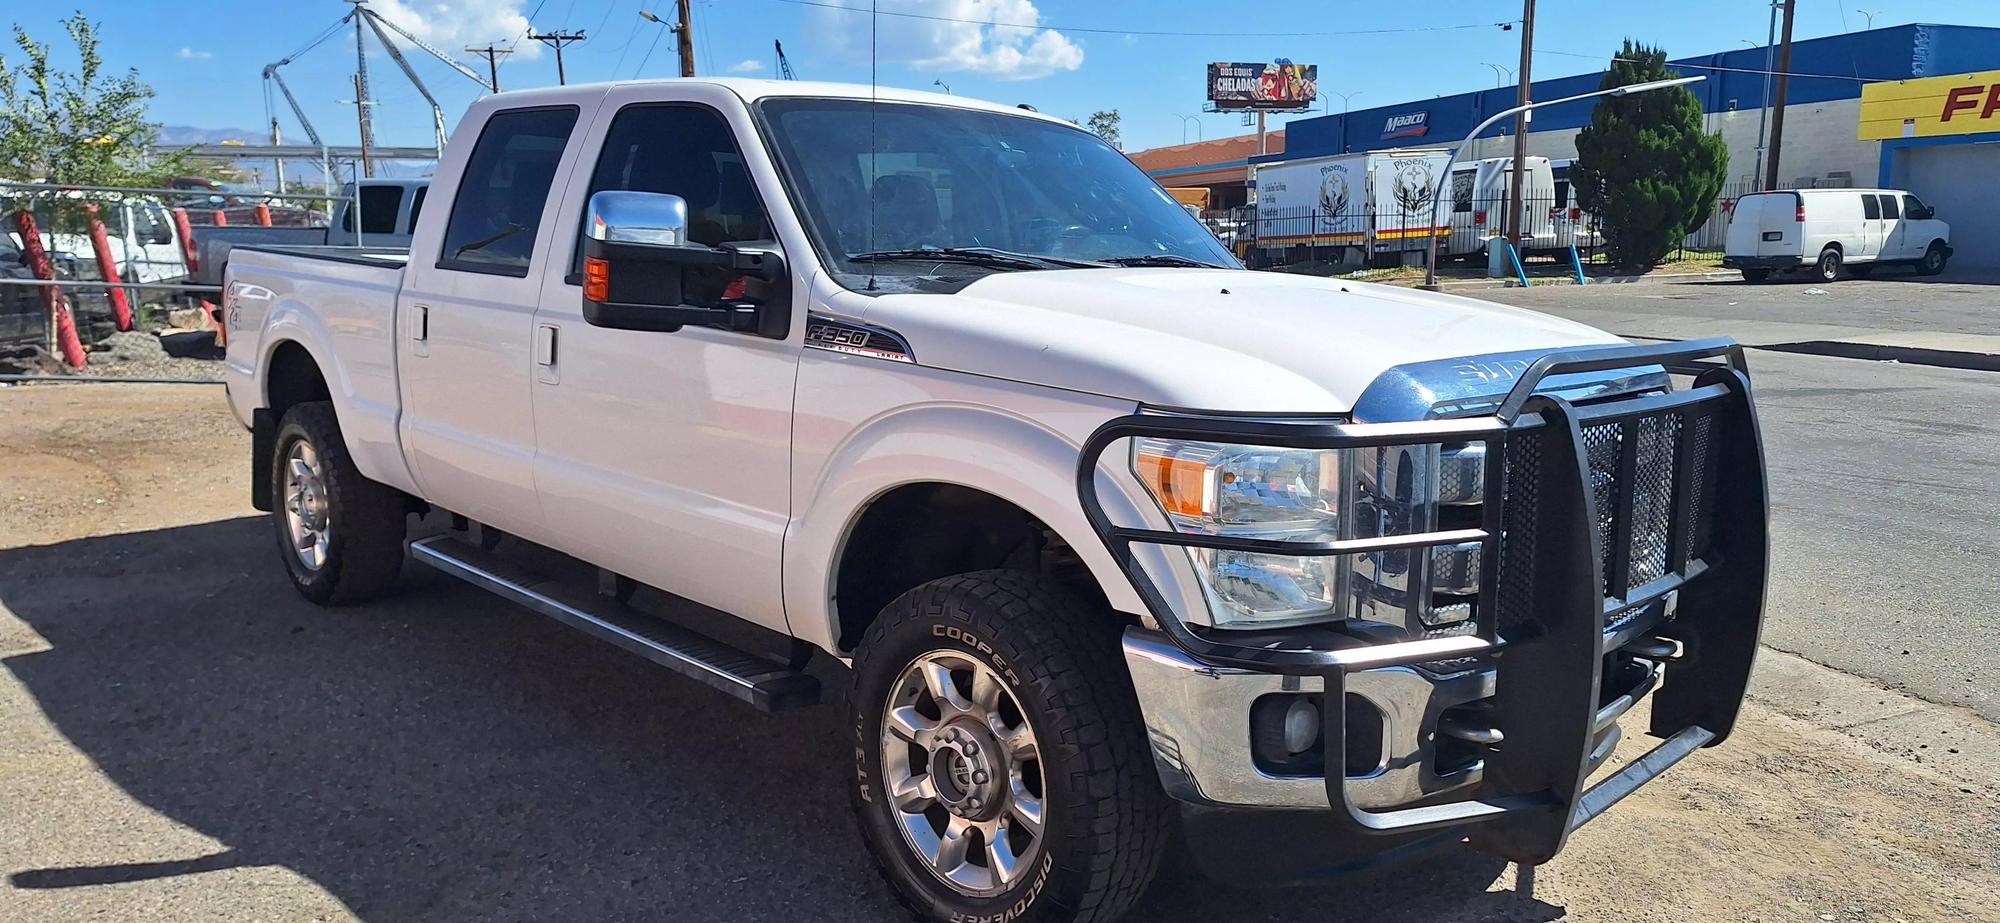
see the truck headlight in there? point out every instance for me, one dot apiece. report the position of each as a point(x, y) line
point(1250, 491)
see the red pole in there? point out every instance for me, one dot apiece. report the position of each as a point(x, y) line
point(215, 319)
point(107, 268)
point(221, 218)
point(186, 232)
point(263, 215)
point(58, 312)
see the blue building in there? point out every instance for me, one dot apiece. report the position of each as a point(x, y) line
point(1821, 146)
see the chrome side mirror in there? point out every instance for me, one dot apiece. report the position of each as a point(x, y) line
point(626, 217)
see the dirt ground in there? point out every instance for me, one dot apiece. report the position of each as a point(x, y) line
point(181, 738)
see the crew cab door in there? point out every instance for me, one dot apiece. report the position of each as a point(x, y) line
point(665, 456)
point(465, 316)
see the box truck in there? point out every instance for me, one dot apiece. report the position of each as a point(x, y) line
point(1373, 208)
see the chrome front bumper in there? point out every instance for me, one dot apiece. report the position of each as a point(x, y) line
point(1198, 723)
point(1198, 720)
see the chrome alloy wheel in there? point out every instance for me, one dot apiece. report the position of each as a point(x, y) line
point(963, 773)
point(308, 510)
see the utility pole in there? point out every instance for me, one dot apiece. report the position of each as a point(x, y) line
point(361, 112)
point(557, 40)
point(492, 62)
point(1514, 203)
point(1778, 101)
point(361, 93)
point(1764, 111)
point(684, 34)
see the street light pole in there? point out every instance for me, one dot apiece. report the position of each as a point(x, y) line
point(1444, 180)
point(1185, 121)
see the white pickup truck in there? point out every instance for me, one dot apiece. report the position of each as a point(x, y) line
point(1121, 545)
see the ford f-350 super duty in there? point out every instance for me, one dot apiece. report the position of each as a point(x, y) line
point(1121, 545)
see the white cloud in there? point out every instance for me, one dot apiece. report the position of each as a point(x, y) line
point(453, 24)
point(746, 66)
point(955, 40)
point(189, 54)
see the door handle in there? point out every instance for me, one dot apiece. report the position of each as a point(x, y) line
point(420, 329)
point(545, 353)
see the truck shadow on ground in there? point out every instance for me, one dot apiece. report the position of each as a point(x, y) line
point(442, 755)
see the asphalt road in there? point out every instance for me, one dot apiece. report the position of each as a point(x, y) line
point(1955, 302)
point(1885, 477)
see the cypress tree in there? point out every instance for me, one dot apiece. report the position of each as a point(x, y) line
point(1645, 168)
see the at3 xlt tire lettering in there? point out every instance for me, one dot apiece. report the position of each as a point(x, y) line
point(1105, 820)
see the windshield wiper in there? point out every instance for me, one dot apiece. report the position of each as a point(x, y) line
point(977, 256)
point(1160, 259)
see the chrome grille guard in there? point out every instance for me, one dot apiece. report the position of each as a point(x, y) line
point(1545, 620)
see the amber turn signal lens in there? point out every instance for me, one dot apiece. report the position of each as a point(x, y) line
point(1180, 484)
point(596, 279)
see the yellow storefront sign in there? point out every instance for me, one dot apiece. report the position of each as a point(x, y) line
point(1962, 104)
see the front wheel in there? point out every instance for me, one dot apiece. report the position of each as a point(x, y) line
point(1933, 261)
point(1827, 268)
point(1002, 769)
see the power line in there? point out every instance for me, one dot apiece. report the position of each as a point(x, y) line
point(823, 4)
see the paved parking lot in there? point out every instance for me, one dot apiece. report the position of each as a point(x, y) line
point(182, 738)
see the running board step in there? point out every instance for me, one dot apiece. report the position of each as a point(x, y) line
point(757, 680)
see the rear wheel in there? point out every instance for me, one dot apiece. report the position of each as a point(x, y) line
point(1827, 269)
point(1933, 261)
point(1002, 766)
point(341, 535)
point(1754, 276)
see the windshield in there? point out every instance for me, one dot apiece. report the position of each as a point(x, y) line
point(943, 178)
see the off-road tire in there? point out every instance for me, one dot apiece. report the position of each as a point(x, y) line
point(1933, 261)
point(1827, 267)
point(1108, 823)
point(369, 520)
point(1754, 276)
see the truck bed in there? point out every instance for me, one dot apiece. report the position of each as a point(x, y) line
point(343, 300)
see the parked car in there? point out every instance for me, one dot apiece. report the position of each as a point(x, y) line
point(140, 233)
point(1117, 540)
point(1821, 230)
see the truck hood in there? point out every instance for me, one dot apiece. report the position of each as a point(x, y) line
point(1220, 340)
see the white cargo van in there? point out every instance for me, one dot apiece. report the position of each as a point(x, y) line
point(1825, 229)
point(1480, 190)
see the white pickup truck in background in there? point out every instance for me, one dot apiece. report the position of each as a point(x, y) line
point(1116, 540)
point(388, 210)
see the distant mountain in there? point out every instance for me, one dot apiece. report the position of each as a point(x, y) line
point(188, 134)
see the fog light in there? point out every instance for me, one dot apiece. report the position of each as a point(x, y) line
point(1301, 725)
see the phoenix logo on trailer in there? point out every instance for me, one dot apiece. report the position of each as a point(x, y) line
point(1408, 125)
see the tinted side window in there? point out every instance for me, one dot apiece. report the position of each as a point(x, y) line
point(684, 151)
point(506, 186)
point(379, 205)
point(1889, 207)
point(1912, 204)
point(1870, 208)
point(417, 206)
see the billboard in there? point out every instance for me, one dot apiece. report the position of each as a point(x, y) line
point(1962, 104)
point(1278, 85)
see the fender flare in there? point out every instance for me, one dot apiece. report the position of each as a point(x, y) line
point(1010, 456)
point(370, 431)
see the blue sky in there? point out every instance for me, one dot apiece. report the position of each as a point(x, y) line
point(205, 59)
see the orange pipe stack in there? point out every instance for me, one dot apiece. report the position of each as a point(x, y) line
point(107, 269)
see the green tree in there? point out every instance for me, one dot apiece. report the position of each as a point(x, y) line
point(85, 127)
point(1644, 165)
point(1104, 124)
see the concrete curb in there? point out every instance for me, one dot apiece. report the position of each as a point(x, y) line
point(1951, 741)
point(1662, 277)
point(1909, 355)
